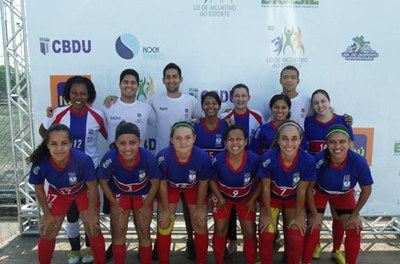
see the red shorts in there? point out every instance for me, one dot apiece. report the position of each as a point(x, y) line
point(59, 204)
point(278, 203)
point(174, 194)
point(339, 202)
point(224, 213)
point(130, 202)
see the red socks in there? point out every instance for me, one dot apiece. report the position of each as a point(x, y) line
point(295, 246)
point(310, 242)
point(250, 249)
point(219, 244)
point(163, 248)
point(201, 243)
point(145, 255)
point(45, 250)
point(266, 247)
point(98, 246)
point(338, 233)
point(352, 245)
point(119, 253)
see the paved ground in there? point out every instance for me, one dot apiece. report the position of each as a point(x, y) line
point(23, 249)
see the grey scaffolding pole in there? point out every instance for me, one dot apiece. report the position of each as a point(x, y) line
point(20, 109)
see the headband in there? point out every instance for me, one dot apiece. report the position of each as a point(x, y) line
point(292, 124)
point(181, 124)
point(127, 128)
point(337, 130)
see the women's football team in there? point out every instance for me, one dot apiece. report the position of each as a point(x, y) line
point(210, 162)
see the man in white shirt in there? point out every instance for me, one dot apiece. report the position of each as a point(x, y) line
point(172, 106)
point(301, 104)
point(129, 109)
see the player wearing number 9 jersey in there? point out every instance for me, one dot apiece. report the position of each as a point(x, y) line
point(233, 185)
point(285, 171)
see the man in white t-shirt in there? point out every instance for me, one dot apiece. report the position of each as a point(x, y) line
point(129, 109)
point(301, 104)
point(172, 106)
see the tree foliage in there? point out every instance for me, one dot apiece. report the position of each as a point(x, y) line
point(3, 88)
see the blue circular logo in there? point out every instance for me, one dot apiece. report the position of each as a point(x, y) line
point(127, 46)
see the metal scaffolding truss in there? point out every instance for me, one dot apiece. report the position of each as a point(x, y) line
point(20, 110)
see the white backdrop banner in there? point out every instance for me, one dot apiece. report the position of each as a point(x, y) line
point(347, 48)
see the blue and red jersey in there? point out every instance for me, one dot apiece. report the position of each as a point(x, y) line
point(184, 175)
point(129, 180)
point(235, 184)
point(211, 141)
point(342, 179)
point(316, 131)
point(66, 181)
point(264, 136)
point(84, 128)
point(250, 121)
point(284, 180)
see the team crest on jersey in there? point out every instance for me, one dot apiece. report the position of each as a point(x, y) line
point(296, 178)
point(346, 182)
point(142, 175)
point(72, 178)
point(106, 163)
point(247, 178)
point(319, 163)
point(139, 119)
point(160, 160)
point(36, 170)
point(218, 140)
point(266, 163)
point(303, 112)
point(192, 176)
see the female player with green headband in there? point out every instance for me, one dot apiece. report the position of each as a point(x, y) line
point(185, 169)
point(339, 169)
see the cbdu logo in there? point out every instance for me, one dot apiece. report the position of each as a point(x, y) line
point(127, 46)
point(65, 46)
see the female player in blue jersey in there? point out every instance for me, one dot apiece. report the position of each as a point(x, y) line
point(262, 139)
point(316, 127)
point(130, 178)
point(185, 169)
point(339, 170)
point(234, 185)
point(210, 129)
point(85, 123)
point(72, 178)
point(280, 108)
point(285, 171)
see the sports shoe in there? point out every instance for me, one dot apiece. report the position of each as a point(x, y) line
point(74, 257)
point(154, 255)
point(232, 245)
point(317, 252)
point(227, 256)
point(87, 256)
point(109, 252)
point(190, 250)
point(338, 257)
